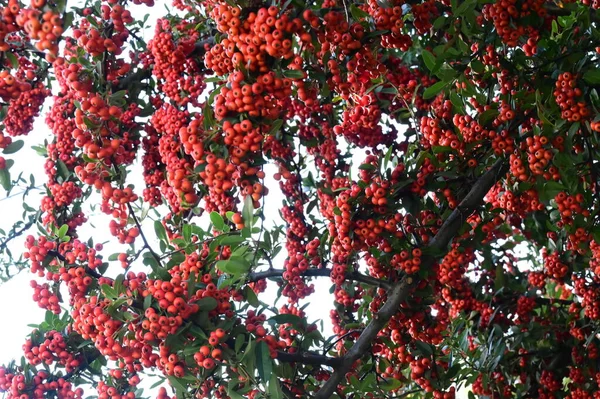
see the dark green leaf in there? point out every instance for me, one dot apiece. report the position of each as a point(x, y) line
point(434, 90)
point(264, 364)
point(13, 147)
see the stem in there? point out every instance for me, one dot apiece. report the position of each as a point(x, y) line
point(139, 226)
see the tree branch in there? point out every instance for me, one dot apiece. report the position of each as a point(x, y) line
point(355, 276)
point(308, 358)
point(139, 226)
point(400, 291)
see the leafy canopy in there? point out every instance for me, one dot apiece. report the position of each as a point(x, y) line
point(434, 161)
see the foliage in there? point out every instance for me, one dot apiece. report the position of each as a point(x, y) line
point(462, 249)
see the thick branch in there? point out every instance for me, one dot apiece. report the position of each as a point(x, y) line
point(400, 291)
point(355, 276)
point(472, 200)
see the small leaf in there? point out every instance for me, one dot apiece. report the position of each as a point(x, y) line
point(293, 74)
point(5, 180)
point(62, 170)
point(234, 266)
point(217, 221)
point(264, 364)
point(428, 59)
point(62, 231)
point(14, 62)
point(248, 211)
point(275, 126)
point(434, 90)
point(13, 147)
point(207, 304)
point(160, 231)
point(592, 76)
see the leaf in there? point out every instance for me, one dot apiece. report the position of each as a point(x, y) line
point(357, 13)
point(429, 60)
point(62, 170)
point(390, 384)
point(239, 342)
point(251, 297)
point(264, 364)
point(108, 291)
point(434, 90)
point(273, 389)
point(208, 120)
point(293, 74)
point(592, 76)
point(248, 211)
point(160, 231)
point(5, 180)
point(234, 265)
point(487, 116)
point(231, 240)
point(14, 62)
point(191, 284)
point(217, 221)
point(275, 126)
point(287, 318)
point(424, 348)
point(178, 384)
point(13, 147)
point(207, 304)
point(62, 231)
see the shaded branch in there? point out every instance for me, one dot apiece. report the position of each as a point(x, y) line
point(355, 276)
point(139, 226)
point(308, 358)
point(400, 291)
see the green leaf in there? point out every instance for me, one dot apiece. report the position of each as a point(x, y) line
point(5, 180)
point(239, 342)
point(434, 90)
point(62, 231)
point(293, 74)
point(592, 76)
point(207, 304)
point(234, 265)
point(390, 384)
point(465, 7)
point(191, 288)
point(357, 13)
point(488, 116)
point(287, 318)
point(160, 231)
point(429, 60)
point(108, 291)
point(62, 170)
point(217, 221)
point(13, 147)
point(275, 126)
point(14, 62)
point(208, 121)
point(424, 348)
point(264, 364)
point(273, 389)
point(248, 211)
point(251, 297)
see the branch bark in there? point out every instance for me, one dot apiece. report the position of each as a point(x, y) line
point(308, 358)
point(355, 276)
point(401, 290)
